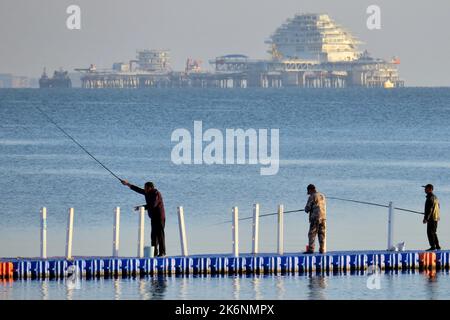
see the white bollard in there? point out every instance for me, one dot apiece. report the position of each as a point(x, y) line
point(255, 238)
point(141, 239)
point(280, 229)
point(69, 234)
point(116, 233)
point(44, 233)
point(183, 241)
point(390, 241)
point(235, 231)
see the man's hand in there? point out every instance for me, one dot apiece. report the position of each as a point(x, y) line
point(425, 221)
point(137, 208)
point(125, 183)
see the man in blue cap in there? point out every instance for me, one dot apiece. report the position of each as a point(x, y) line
point(432, 216)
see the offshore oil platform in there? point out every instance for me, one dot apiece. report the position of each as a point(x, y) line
point(308, 51)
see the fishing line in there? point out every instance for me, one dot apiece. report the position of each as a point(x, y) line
point(76, 142)
point(374, 204)
point(333, 198)
point(261, 216)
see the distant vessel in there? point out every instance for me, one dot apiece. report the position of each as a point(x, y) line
point(60, 79)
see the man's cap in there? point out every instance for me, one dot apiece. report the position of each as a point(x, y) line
point(428, 186)
point(311, 187)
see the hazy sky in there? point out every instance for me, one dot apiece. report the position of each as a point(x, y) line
point(33, 34)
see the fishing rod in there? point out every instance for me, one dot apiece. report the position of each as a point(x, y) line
point(374, 204)
point(76, 142)
point(261, 216)
point(333, 198)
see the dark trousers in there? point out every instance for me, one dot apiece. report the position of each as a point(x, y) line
point(158, 237)
point(432, 235)
point(317, 227)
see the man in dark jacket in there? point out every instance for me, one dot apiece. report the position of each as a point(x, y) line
point(155, 209)
point(432, 216)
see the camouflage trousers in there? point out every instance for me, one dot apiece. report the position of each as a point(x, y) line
point(317, 227)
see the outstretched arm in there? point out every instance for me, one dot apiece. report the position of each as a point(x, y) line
point(132, 187)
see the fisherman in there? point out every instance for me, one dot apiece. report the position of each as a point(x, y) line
point(316, 207)
point(432, 216)
point(155, 209)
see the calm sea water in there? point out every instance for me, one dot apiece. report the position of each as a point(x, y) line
point(312, 287)
point(371, 145)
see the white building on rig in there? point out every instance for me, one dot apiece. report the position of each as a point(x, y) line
point(153, 60)
point(313, 37)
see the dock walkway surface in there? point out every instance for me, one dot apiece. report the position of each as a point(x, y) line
point(221, 264)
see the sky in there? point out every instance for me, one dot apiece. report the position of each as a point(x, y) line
point(33, 34)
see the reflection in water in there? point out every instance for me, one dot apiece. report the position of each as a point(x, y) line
point(236, 287)
point(117, 289)
point(317, 285)
point(256, 282)
point(6, 285)
point(153, 288)
point(426, 285)
point(388, 284)
point(144, 293)
point(44, 290)
point(279, 280)
point(69, 292)
point(431, 275)
point(184, 286)
point(431, 284)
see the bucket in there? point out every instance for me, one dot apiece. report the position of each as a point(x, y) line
point(149, 252)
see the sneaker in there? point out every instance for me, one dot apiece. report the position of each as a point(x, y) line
point(322, 251)
point(431, 249)
point(308, 252)
point(161, 255)
point(438, 248)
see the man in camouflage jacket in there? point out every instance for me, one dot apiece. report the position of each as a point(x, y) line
point(317, 209)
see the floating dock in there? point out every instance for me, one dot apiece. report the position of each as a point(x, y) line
point(246, 264)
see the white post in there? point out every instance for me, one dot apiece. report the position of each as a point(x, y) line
point(116, 233)
point(235, 231)
point(280, 229)
point(255, 238)
point(141, 233)
point(391, 226)
point(182, 226)
point(69, 234)
point(44, 233)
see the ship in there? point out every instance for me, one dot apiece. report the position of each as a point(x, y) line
point(60, 79)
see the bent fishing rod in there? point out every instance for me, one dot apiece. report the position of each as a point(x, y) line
point(76, 142)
